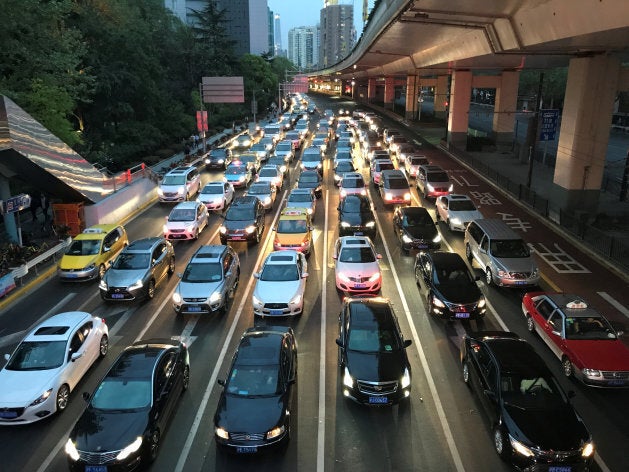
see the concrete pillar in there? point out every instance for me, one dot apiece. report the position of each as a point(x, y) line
point(9, 218)
point(441, 96)
point(412, 92)
point(458, 115)
point(584, 133)
point(505, 107)
point(371, 89)
point(389, 92)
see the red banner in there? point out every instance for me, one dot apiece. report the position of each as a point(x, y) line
point(202, 121)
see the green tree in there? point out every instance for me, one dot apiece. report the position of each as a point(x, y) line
point(553, 87)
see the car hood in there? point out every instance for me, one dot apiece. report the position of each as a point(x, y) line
point(603, 354)
point(276, 292)
point(179, 224)
point(531, 426)
point(26, 386)
point(249, 414)
point(171, 188)
point(355, 219)
point(427, 232)
point(354, 269)
point(466, 215)
point(198, 290)
point(123, 278)
point(76, 262)
point(377, 366)
point(102, 431)
point(516, 264)
point(463, 294)
point(237, 224)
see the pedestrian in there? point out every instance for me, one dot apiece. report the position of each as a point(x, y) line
point(35, 204)
point(44, 203)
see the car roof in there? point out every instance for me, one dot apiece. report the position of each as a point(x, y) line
point(281, 257)
point(96, 231)
point(393, 174)
point(432, 168)
point(447, 259)
point(572, 305)
point(515, 355)
point(293, 213)
point(371, 310)
point(244, 200)
point(190, 205)
point(143, 245)
point(457, 196)
point(58, 327)
point(352, 175)
point(209, 253)
point(412, 210)
point(259, 348)
point(181, 170)
point(356, 241)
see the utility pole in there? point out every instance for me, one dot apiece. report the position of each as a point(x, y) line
point(534, 130)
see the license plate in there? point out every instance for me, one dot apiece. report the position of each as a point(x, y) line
point(117, 295)
point(616, 382)
point(462, 315)
point(422, 246)
point(72, 276)
point(194, 308)
point(95, 468)
point(360, 285)
point(8, 414)
point(378, 400)
point(276, 312)
point(358, 233)
point(237, 238)
point(246, 449)
point(560, 468)
point(521, 282)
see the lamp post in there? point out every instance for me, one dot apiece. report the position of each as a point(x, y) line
point(353, 83)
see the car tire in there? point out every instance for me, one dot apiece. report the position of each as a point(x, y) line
point(101, 271)
point(468, 253)
point(62, 398)
point(152, 449)
point(449, 225)
point(466, 372)
point(223, 241)
point(150, 290)
point(171, 266)
point(530, 324)
point(501, 443)
point(186, 378)
point(488, 277)
point(566, 367)
point(437, 216)
point(103, 347)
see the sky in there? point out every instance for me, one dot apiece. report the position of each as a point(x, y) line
point(295, 13)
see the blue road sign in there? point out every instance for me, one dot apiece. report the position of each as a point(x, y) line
point(548, 125)
point(17, 203)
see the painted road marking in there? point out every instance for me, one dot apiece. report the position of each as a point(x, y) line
point(559, 260)
point(514, 222)
point(459, 178)
point(485, 198)
point(615, 303)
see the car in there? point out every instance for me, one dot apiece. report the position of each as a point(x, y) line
point(587, 345)
point(433, 181)
point(393, 187)
point(396, 142)
point(252, 160)
point(450, 290)
point(311, 160)
point(217, 196)
point(376, 168)
point(179, 184)
point(519, 394)
point(379, 154)
point(218, 158)
point(268, 142)
point(412, 163)
point(356, 217)
point(286, 149)
point(244, 221)
point(272, 174)
point(238, 174)
point(374, 366)
point(294, 231)
point(127, 415)
point(415, 229)
point(456, 211)
point(138, 270)
point(280, 284)
point(341, 168)
point(209, 281)
point(311, 179)
point(295, 138)
point(388, 134)
point(343, 156)
point(186, 221)
point(320, 143)
point(48, 363)
point(261, 151)
point(256, 404)
point(357, 265)
point(244, 141)
point(91, 252)
point(352, 183)
point(280, 163)
point(302, 198)
point(403, 150)
point(265, 191)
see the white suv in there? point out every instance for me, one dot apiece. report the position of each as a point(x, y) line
point(357, 268)
point(179, 185)
point(186, 221)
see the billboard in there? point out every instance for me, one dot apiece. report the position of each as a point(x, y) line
point(223, 90)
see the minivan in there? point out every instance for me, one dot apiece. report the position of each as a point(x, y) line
point(501, 253)
point(394, 187)
point(433, 181)
point(180, 184)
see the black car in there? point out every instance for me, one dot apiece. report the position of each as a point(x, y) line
point(356, 217)
point(342, 167)
point(311, 179)
point(416, 229)
point(128, 413)
point(218, 158)
point(372, 353)
point(534, 425)
point(255, 407)
point(244, 220)
point(448, 287)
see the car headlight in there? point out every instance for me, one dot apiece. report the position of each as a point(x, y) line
point(42, 398)
point(450, 188)
point(407, 196)
point(296, 300)
point(275, 432)
point(406, 378)
point(250, 229)
point(165, 229)
point(343, 277)
point(92, 266)
point(337, 177)
point(371, 224)
point(215, 297)
point(592, 373)
point(374, 277)
point(388, 196)
point(136, 285)
point(257, 303)
point(71, 450)
point(588, 450)
point(481, 302)
point(309, 211)
point(437, 238)
point(221, 433)
point(177, 298)
point(130, 449)
point(348, 380)
point(220, 161)
point(437, 302)
point(217, 200)
point(345, 224)
point(160, 192)
point(455, 221)
point(181, 190)
point(520, 448)
point(241, 178)
point(102, 284)
point(363, 192)
point(430, 188)
point(406, 239)
point(222, 229)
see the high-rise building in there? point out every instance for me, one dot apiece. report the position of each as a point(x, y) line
point(271, 44)
point(302, 46)
point(337, 32)
point(278, 35)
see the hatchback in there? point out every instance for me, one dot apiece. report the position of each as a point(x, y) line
point(186, 221)
point(356, 217)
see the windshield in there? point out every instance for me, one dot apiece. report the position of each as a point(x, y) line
point(372, 339)
point(239, 214)
point(40, 355)
point(279, 272)
point(397, 183)
point(509, 248)
point(253, 380)
point(258, 189)
point(213, 189)
point(203, 273)
point(531, 392)
point(589, 328)
point(387, 166)
point(174, 180)
point(417, 219)
point(299, 197)
point(418, 161)
point(268, 173)
point(355, 205)
point(437, 177)
point(306, 178)
point(344, 167)
point(236, 170)
point(292, 226)
point(357, 254)
point(311, 157)
point(84, 247)
point(115, 393)
point(453, 277)
point(131, 261)
point(182, 215)
point(284, 147)
point(218, 153)
point(462, 205)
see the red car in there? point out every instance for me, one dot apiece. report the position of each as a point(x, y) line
point(584, 341)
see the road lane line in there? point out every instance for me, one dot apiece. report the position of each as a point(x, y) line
point(454, 452)
point(324, 298)
point(615, 303)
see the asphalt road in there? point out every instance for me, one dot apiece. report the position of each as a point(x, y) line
point(440, 429)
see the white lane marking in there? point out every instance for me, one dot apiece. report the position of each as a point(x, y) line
point(514, 222)
point(322, 346)
point(186, 334)
point(559, 260)
point(456, 457)
point(615, 303)
point(219, 362)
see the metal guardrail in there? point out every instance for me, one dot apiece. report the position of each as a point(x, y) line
point(23, 269)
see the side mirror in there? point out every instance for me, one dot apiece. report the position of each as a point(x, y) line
point(86, 396)
point(75, 356)
point(179, 274)
point(379, 256)
point(256, 275)
point(556, 333)
point(407, 343)
point(335, 257)
point(7, 357)
point(304, 275)
point(221, 382)
point(490, 394)
point(106, 248)
point(339, 342)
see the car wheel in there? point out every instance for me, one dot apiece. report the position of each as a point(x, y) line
point(501, 443)
point(468, 252)
point(153, 446)
point(567, 368)
point(63, 395)
point(449, 225)
point(171, 266)
point(488, 277)
point(150, 290)
point(104, 346)
point(466, 372)
point(258, 236)
point(530, 324)
point(186, 377)
point(437, 216)
point(196, 235)
point(101, 271)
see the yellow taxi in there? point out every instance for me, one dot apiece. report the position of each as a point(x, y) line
point(293, 231)
point(91, 252)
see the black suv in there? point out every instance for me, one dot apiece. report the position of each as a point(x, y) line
point(356, 217)
point(448, 287)
point(372, 353)
point(533, 423)
point(244, 221)
point(218, 158)
point(415, 229)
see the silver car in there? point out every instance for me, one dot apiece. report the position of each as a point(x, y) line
point(264, 191)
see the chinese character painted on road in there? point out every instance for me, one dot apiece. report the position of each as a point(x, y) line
point(485, 198)
point(514, 222)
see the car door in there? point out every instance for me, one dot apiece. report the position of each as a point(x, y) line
point(159, 263)
point(202, 217)
point(260, 217)
point(484, 378)
point(79, 358)
point(482, 254)
point(230, 274)
point(552, 332)
point(228, 194)
point(423, 274)
point(442, 208)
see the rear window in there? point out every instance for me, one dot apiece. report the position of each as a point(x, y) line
point(396, 183)
point(437, 177)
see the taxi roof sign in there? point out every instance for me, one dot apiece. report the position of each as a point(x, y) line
point(293, 212)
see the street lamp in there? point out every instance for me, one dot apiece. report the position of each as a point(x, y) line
point(353, 83)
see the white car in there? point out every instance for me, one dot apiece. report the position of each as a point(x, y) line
point(352, 183)
point(46, 366)
point(457, 211)
point(280, 284)
point(186, 221)
point(264, 191)
point(357, 267)
point(217, 196)
point(272, 174)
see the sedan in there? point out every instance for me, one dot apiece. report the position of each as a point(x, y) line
point(356, 217)
point(256, 405)
point(534, 425)
point(448, 287)
point(357, 268)
point(581, 338)
point(302, 198)
point(239, 175)
point(46, 366)
point(415, 229)
point(342, 167)
point(456, 211)
point(128, 413)
point(280, 285)
point(312, 180)
point(264, 191)
point(271, 173)
point(217, 196)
